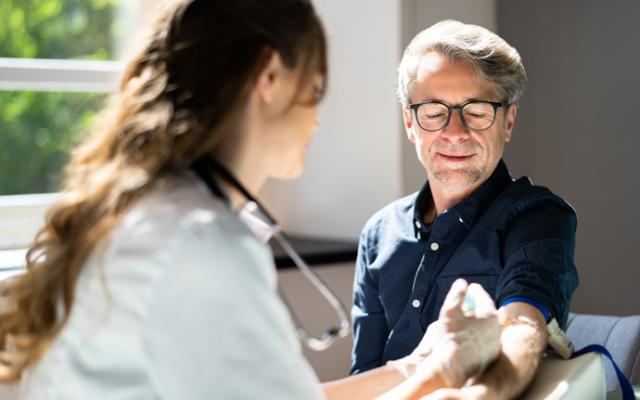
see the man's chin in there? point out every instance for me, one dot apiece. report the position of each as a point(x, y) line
point(457, 179)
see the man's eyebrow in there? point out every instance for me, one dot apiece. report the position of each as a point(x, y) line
point(431, 99)
point(465, 100)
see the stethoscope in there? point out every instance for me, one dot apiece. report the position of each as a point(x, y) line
point(205, 167)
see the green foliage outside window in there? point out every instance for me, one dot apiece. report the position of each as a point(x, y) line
point(37, 129)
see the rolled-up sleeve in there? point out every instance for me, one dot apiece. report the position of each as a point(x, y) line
point(538, 258)
point(367, 315)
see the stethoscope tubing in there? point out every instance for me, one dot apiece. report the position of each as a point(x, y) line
point(204, 168)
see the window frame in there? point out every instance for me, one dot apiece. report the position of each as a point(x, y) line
point(22, 215)
point(52, 75)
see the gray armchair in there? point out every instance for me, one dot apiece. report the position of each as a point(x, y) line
point(620, 335)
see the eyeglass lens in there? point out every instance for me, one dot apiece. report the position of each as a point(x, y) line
point(475, 115)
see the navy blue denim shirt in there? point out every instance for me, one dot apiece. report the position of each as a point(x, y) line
point(515, 239)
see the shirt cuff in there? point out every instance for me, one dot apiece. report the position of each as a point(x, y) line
point(545, 312)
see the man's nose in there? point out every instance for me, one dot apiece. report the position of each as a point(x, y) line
point(455, 131)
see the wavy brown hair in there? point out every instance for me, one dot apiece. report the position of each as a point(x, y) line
point(179, 94)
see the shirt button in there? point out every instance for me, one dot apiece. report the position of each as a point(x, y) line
point(460, 219)
point(415, 303)
point(435, 246)
point(418, 225)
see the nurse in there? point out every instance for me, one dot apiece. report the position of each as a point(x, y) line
point(143, 282)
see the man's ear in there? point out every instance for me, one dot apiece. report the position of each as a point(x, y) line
point(408, 124)
point(270, 78)
point(511, 113)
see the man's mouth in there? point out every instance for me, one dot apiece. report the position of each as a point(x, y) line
point(456, 157)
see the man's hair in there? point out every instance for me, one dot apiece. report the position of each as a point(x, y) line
point(491, 56)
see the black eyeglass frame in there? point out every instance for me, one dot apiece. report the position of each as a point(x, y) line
point(450, 109)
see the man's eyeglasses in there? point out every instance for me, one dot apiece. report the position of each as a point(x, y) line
point(475, 115)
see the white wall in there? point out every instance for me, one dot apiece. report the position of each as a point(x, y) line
point(353, 166)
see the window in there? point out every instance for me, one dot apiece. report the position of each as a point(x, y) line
point(65, 29)
point(38, 129)
point(58, 61)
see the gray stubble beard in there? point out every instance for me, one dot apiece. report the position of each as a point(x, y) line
point(473, 176)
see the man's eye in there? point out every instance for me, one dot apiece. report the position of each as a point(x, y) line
point(434, 115)
point(476, 115)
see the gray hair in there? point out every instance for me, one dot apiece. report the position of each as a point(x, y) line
point(491, 56)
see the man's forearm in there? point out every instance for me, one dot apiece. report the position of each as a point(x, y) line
point(523, 339)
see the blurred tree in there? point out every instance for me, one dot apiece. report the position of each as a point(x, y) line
point(37, 129)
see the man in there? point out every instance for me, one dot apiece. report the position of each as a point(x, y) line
point(459, 87)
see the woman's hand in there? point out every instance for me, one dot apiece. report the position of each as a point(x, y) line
point(458, 346)
point(462, 342)
point(468, 335)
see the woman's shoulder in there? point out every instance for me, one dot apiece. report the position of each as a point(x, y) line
point(177, 201)
point(179, 205)
point(179, 224)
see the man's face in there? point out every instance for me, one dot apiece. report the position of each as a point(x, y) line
point(457, 159)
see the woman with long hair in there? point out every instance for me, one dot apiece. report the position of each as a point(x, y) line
point(143, 282)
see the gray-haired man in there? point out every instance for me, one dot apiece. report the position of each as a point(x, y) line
point(459, 87)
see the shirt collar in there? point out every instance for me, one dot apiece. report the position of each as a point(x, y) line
point(424, 203)
point(469, 209)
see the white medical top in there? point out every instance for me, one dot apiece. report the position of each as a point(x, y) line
point(181, 305)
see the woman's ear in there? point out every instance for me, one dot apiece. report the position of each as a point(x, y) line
point(270, 78)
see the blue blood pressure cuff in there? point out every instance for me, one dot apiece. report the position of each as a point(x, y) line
point(557, 338)
point(545, 312)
